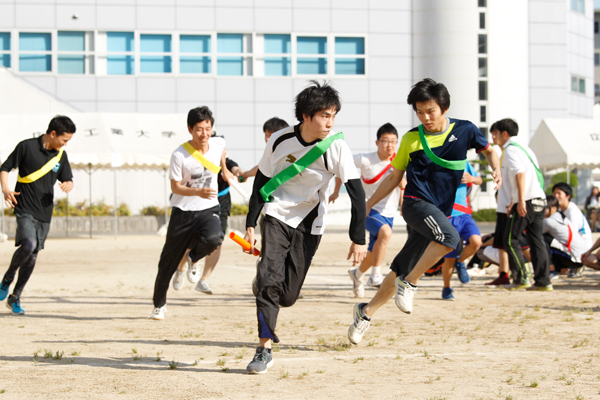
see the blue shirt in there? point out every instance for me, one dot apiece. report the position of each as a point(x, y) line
point(461, 201)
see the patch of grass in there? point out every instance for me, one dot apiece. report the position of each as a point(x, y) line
point(537, 307)
point(320, 371)
point(224, 369)
point(134, 351)
point(58, 355)
point(284, 374)
point(195, 363)
point(137, 357)
point(521, 337)
point(2, 391)
point(358, 359)
point(36, 357)
point(75, 353)
point(47, 354)
point(509, 380)
point(221, 362)
point(581, 343)
point(569, 383)
point(321, 341)
point(419, 341)
point(533, 384)
point(371, 343)
point(378, 323)
point(173, 364)
point(342, 347)
point(225, 354)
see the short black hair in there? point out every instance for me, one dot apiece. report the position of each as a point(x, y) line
point(427, 90)
point(565, 187)
point(506, 125)
point(199, 114)
point(552, 202)
point(274, 124)
point(386, 128)
point(316, 97)
point(61, 124)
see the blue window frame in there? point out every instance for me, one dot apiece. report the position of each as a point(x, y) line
point(313, 46)
point(120, 47)
point(5, 49)
point(195, 54)
point(34, 52)
point(345, 48)
point(71, 57)
point(230, 44)
point(155, 53)
point(280, 46)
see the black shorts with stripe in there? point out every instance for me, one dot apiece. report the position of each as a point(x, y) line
point(427, 224)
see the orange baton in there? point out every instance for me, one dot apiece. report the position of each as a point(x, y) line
point(245, 245)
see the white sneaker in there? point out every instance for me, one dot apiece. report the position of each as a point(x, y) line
point(405, 294)
point(193, 272)
point(358, 328)
point(158, 313)
point(204, 287)
point(375, 280)
point(178, 280)
point(358, 287)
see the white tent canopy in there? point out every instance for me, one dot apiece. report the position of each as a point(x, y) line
point(573, 143)
point(105, 140)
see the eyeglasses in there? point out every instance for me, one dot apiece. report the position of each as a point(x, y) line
point(386, 142)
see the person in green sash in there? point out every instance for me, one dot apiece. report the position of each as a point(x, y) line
point(292, 184)
point(433, 155)
point(41, 162)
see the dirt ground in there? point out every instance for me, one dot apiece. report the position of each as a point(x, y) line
point(86, 335)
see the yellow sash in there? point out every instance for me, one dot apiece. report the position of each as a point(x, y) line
point(34, 176)
point(201, 159)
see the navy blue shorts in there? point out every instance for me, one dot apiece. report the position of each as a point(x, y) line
point(374, 223)
point(466, 227)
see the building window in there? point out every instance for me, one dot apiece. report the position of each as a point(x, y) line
point(72, 58)
point(5, 49)
point(195, 53)
point(120, 56)
point(481, 20)
point(231, 48)
point(482, 67)
point(349, 56)
point(483, 95)
point(578, 5)
point(596, 59)
point(577, 84)
point(482, 3)
point(482, 44)
point(595, 26)
point(35, 52)
point(278, 55)
point(581, 85)
point(314, 55)
point(482, 113)
point(155, 54)
point(596, 90)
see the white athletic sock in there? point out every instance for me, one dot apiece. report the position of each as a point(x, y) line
point(376, 270)
point(359, 273)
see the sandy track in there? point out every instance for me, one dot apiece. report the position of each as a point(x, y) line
point(89, 299)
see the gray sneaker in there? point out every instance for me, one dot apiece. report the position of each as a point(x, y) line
point(360, 325)
point(204, 287)
point(263, 360)
point(405, 293)
point(358, 287)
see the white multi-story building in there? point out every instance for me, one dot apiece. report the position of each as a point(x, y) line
point(247, 59)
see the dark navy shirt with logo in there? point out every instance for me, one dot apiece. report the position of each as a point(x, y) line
point(37, 198)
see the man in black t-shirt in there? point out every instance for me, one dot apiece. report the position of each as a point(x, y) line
point(41, 162)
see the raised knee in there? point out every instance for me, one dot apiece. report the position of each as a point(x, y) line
point(214, 241)
point(475, 241)
point(287, 301)
point(28, 245)
point(385, 233)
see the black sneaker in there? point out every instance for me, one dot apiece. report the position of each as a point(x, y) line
point(263, 359)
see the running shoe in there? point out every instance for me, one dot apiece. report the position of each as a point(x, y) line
point(499, 281)
point(358, 287)
point(575, 272)
point(4, 290)
point(405, 293)
point(14, 305)
point(518, 286)
point(178, 280)
point(375, 280)
point(447, 294)
point(461, 271)
point(547, 288)
point(193, 272)
point(158, 313)
point(204, 287)
point(263, 360)
point(554, 275)
point(360, 325)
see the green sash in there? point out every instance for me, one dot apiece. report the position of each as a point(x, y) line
point(539, 174)
point(455, 165)
point(313, 154)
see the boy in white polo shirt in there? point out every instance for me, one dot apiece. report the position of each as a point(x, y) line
point(291, 182)
point(374, 168)
point(195, 223)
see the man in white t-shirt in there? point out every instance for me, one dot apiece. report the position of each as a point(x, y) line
point(523, 184)
point(374, 168)
point(195, 222)
point(563, 193)
point(295, 201)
